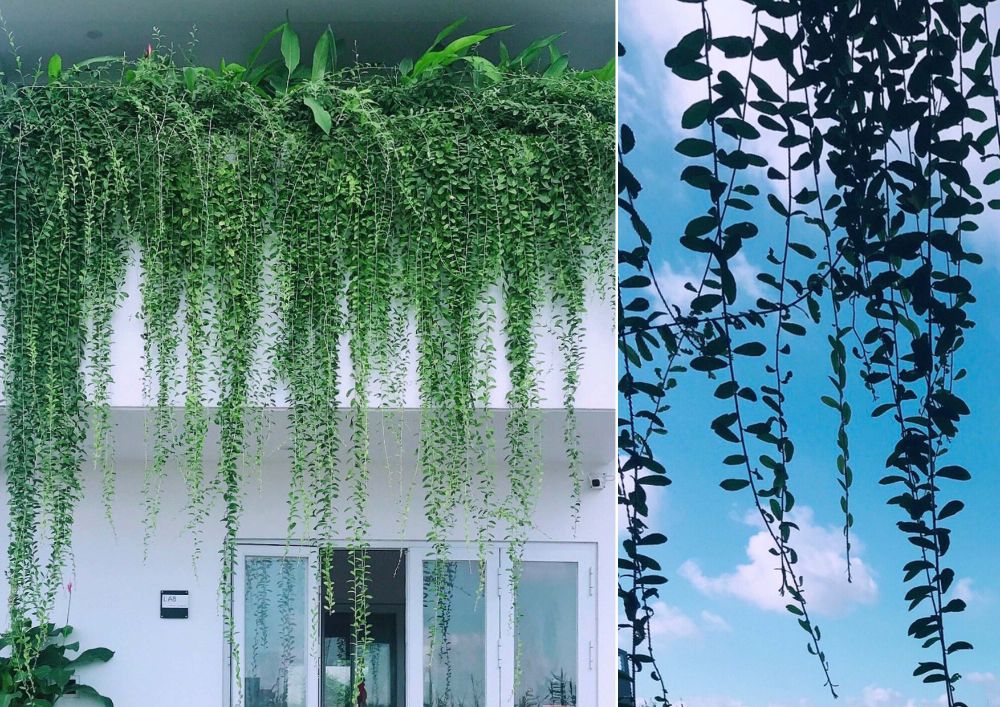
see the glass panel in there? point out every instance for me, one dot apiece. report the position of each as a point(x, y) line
point(337, 659)
point(454, 636)
point(275, 621)
point(547, 634)
point(380, 663)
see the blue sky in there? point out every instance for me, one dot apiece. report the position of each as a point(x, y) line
point(723, 639)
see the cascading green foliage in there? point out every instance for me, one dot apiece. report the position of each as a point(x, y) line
point(367, 206)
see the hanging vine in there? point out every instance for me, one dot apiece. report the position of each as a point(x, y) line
point(877, 116)
point(361, 200)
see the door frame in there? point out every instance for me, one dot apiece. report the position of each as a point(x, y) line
point(237, 668)
point(584, 556)
point(499, 639)
point(458, 552)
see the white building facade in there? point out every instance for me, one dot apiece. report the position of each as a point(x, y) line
point(158, 606)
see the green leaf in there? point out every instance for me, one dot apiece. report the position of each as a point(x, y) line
point(803, 250)
point(443, 34)
point(701, 225)
point(527, 57)
point(708, 363)
point(955, 473)
point(627, 141)
point(739, 128)
point(635, 281)
point(696, 114)
point(88, 691)
point(320, 114)
point(87, 63)
point(485, 67)
point(90, 656)
point(55, 67)
point(190, 75)
point(734, 484)
point(290, 48)
point(606, 73)
point(734, 47)
point(321, 55)
point(776, 204)
point(557, 68)
point(752, 348)
point(463, 43)
point(260, 47)
point(694, 147)
point(950, 509)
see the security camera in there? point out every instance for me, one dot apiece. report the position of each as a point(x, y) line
point(597, 480)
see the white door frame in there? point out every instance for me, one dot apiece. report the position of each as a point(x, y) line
point(459, 552)
point(584, 555)
point(312, 599)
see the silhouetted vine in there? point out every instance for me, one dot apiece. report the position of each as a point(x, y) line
point(877, 107)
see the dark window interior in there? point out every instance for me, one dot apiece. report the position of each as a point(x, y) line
point(384, 681)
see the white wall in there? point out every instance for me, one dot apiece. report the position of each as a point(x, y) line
point(596, 391)
point(173, 663)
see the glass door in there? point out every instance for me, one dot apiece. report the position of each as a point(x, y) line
point(275, 617)
point(453, 620)
point(443, 632)
point(553, 611)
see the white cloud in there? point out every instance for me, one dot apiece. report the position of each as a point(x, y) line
point(872, 696)
point(671, 623)
point(745, 274)
point(963, 590)
point(982, 678)
point(973, 596)
point(715, 622)
point(711, 701)
point(726, 701)
point(875, 696)
point(988, 682)
point(672, 281)
point(821, 564)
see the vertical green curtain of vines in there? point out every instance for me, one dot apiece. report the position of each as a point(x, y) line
point(876, 110)
point(423, 207)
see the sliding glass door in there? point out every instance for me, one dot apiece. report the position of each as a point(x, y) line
point(445, 633)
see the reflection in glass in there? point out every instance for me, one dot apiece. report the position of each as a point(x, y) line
point(276, 632)
point(454, 635)
point(380, 662)
point(547, 634)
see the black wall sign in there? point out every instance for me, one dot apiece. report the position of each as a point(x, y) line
point(174, 604)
